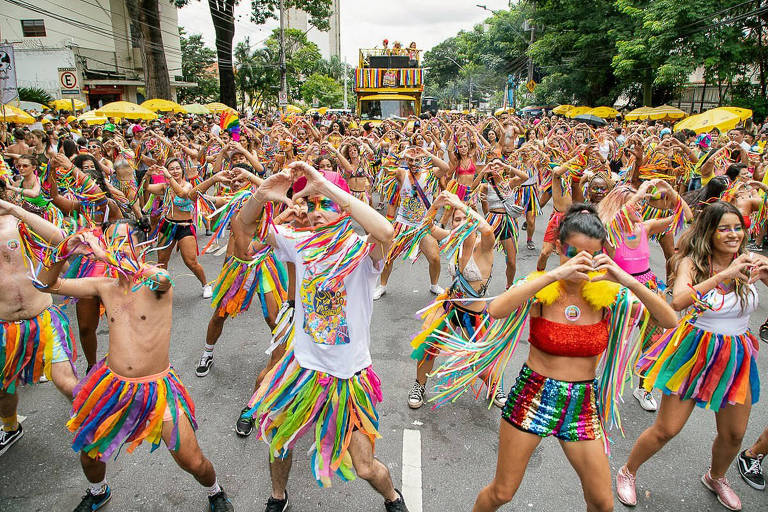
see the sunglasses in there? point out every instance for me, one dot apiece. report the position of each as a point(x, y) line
point(569, 251)
point(323, 205)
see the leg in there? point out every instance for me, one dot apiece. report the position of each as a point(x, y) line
point(164, 255)
point(9, 402)
point(761, 445)
point(279, 469)
point(510, 251)
point(188, 248)
point(667, 242)
point(672, 416)
point(546, 250)
point(274, 357)
point(423, 368)
point(95, 470)
point(369, 468)
point(385, 273)
point(215, 326)
point(589, 460)
point(87, 311)
point(429, 247)
point(64, 379)
point(731, 423)
point(530, 223)
point(189, 456)
point(515, 450)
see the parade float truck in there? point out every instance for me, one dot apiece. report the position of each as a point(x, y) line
point(389, 83)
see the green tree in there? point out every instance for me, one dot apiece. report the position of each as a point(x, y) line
point(325, 89)
point(197, 62)
point(35, 94)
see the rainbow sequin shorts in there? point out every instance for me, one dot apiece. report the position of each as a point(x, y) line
point(548, 407)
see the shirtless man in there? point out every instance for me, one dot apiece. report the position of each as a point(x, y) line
point(23, 308)
point(153, 402)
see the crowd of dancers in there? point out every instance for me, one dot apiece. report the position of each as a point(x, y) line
point(312, 215)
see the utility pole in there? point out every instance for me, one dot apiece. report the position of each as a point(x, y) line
point(283, 96)
point(345, 84)
point(530, 60)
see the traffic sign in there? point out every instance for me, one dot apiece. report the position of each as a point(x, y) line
point(282, 98)
point(531, 85)
point(68, 81)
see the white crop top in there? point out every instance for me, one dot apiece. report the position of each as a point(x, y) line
point(727, 317)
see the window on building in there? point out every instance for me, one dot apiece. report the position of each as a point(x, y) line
point(33, 28)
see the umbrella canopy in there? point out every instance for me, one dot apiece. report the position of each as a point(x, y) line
point(500, 111)
point(638, 113)
point(719, 118)
point(666, 112)
point(218, 108)
point(293, 109)
point(743, 113)
point(127, 110)
point(604, 112)
point(66, 105)
point(196, 108)
point(11, 114)
point(591, 119)
point(562, 109)
point(161, 105)
point(92, 117)
point(577, 111)
point(33, 105)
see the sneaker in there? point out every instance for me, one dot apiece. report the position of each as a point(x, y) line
point(8, 437)
point(379, 292)
point(647, 402)
point(753, 246)
point(725, 494)
point(244, 425)
point(204, 366)
point(500, 399)
point(530, 245)
point(91, 502)
point(751, 470)
point(524, 226)
point(396, 506)
point(764, 332)
point(207, 291)
point(436, 289)
point(625, 487)
point(219, 502)
point(276, 505)
point(416, 395)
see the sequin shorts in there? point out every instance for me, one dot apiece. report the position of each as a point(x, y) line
point(548, 407)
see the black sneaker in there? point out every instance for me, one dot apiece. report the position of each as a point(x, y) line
point(751, 470)
point(396, 506)
point(8, 437)
point(416, 395)
point(764, 332)
point(93, 502)
point(204, 366)
point(244, 425)
point(219, 502)
point(276, 505)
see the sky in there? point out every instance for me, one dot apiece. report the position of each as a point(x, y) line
point(364, 23)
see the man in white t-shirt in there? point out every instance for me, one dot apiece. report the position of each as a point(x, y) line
point(325, 379)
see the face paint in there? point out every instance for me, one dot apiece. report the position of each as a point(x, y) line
point(570, 251)
point(323, 205)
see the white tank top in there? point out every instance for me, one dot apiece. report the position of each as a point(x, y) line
point(727, 316)
point(412, 209)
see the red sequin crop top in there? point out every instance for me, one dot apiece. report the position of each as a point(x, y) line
point(567, 339)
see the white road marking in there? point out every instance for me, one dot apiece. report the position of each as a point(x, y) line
point(412, 469)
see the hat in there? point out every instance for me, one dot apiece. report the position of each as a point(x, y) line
point(136, 129)
point(71, 118)
point(334, 177)
point(703, 140)
point(665, 131)
point(109, 127)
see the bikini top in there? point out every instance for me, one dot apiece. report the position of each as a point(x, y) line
point(183, 204)
point(461, 287)
point(569, 340)
point(466, 171)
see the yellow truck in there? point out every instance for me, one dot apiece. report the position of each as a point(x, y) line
point(389, 83)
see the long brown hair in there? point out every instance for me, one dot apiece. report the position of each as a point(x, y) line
point(696, 244)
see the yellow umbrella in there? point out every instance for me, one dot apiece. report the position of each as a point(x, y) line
point(293, 109)
point(218, 108)
point(743, 113)
point(11, 114)
point(562, 109)
point(638, 113)
point(92, 117)
point(161, 105)
point(66, 105)
point(604, 112)
point(196, 108)
point(577, 111)
point(500, 111)
point(719, 118)
point(126, 109)
point(666, 112)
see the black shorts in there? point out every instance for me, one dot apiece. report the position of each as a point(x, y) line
point(176, 230)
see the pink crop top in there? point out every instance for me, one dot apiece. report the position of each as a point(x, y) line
point(634, 261)
point(469, 171)
point(567, 339)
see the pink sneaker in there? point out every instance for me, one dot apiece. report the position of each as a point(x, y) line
point(725, 494)
point(625, 487)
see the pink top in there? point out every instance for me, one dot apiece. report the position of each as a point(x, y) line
point(634, 261)
point(469, 171)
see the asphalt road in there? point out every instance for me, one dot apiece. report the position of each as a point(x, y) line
point(458, 442)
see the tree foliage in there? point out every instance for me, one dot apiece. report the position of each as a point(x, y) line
point(324, 89)
point(197, 65)
point(35, 94)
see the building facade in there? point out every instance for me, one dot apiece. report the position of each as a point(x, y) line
point(93, 36)
point(329, 42)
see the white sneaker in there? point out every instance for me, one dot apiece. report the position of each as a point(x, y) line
point(379, 291)
point(207, 291)
point(436, 289)
point(647, 402)
point(500, 399)
point(416, 395)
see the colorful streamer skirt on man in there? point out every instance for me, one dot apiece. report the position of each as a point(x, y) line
point(240, 280)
